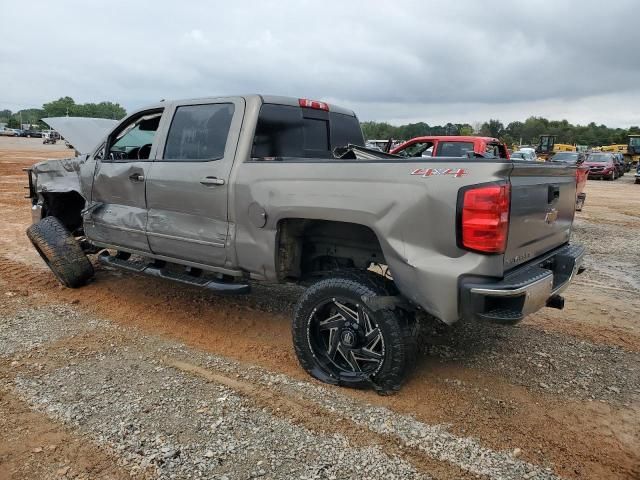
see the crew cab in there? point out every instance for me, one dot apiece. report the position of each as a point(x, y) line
point(451, 146)
point(219, 193)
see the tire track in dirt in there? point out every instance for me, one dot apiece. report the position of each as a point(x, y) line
point(309, 414)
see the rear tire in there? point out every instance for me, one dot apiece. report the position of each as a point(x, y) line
point(339, 340)
point(61, 252)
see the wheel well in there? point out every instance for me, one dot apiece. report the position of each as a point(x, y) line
point(306, 246)
point(66, 206)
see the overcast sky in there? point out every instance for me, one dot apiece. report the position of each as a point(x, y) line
point(398, 61)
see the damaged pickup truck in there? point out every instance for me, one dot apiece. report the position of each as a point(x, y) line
point(222, 192)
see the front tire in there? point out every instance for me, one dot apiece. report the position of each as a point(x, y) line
point(61, 252)
point(339, 340)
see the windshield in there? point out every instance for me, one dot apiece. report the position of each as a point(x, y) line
point(634, 141)
point(565, 157)
point(454, 149)
point(133, 138)
point(599, 158)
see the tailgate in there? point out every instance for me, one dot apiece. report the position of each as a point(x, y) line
point(543, 198)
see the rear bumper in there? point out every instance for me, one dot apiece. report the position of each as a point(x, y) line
point(522, 291)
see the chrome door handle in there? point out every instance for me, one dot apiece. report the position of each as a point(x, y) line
point(136, 177)
point(211, 181)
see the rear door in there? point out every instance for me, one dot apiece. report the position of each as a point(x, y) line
point(119, 216)
point(188, 186)
point(543, 197)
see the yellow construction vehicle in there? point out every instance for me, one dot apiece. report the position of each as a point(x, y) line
point(548, 146)
point(632, 155)
point(616, 148)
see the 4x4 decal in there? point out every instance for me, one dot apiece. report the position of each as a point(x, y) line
point(430, 172)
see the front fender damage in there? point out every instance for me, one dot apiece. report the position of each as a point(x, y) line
point(56, 188)
point(58, 175)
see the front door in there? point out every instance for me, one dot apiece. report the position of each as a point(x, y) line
point(188, 185)
point(118, 213)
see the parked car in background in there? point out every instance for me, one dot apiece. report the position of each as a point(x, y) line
point(7, 132)
point(50, 137)
point(33, 133)
point(452, 146)
point(19, 133)
point(601, 165)
point(530, 150)
point(582, 172)
point(618, 159)
point(524, 155)
point(638, 173)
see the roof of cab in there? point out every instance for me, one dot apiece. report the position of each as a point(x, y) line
point(275, 99)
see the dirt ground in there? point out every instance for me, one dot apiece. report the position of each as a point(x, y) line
point(85, 374)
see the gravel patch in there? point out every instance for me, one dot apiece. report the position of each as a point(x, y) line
point(433, 440)
point(612, 256)
point(542, 361)
point(30, 328)
point(180, 426)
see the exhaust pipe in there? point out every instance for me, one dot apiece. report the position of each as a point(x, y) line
point(556, 301)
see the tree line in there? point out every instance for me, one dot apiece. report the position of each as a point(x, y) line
point(518, 133)
point(64, 106)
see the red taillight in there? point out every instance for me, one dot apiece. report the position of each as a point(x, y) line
point(485, 218)
point(306, 103)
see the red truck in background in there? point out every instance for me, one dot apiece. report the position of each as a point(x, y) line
point(451, 146)
point(461, 146)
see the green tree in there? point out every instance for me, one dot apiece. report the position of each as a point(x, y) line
point(492, 128)
point(66, 106)
point(466, 130)
point(59, 108)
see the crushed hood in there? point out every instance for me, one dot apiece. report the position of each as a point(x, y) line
point(81, 132)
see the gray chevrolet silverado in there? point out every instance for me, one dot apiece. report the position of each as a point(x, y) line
point(220, 192)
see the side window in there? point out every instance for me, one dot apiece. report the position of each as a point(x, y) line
point(288, 131)
point(454, 149)
point(199, 132)
point(418, 149)
point(133, 141)
point(492, 150)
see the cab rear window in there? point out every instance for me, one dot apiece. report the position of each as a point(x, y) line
point(288, 131)
point(454, 149)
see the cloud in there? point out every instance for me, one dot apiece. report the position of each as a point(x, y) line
point(397, 60)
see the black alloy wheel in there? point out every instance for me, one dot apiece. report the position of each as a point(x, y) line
point(340, 340)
